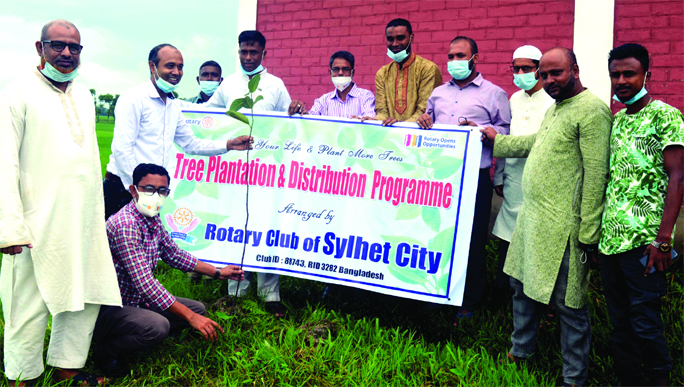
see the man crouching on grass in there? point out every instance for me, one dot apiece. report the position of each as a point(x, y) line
point(138, 240)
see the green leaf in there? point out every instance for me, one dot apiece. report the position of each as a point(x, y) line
point(443, 242)
point(407, 274)
point(396, 239)
point(408, 211)
point(238, 116)
point(207, 189)
point(236, 105)
point(346, 138)
point(373, 136)
point(287, 131)
point(183, 189)
point(446, 166)
point(223, 316)
point(431, 218)
point(435, 154)
point(247, 102)
point(254, 83)
point(258, 98)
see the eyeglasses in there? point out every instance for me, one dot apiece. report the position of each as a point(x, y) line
point(525, 69)
point(345, 70)
point(149, 190)
point(60, 46)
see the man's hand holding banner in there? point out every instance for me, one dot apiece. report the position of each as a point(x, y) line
point(387, 209)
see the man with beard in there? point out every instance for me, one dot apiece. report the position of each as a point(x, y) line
point(558, 227)
point(148, 121)
point(403, 86)
point(56, 258)
point(469, 99)
point(528, 106)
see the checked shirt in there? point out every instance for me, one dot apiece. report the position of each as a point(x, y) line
point(137, 242)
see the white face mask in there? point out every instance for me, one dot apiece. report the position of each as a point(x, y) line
point(341, 83)
point(149, 205)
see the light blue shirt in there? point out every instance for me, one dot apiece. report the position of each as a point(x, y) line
point(480, 101)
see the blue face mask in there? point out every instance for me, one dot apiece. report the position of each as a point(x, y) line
point(56, 75)
point(460, 69)
point(208, 87)
point(525, 81)
point(52, 73)
point(163, 85)
point(255, 71)
point(401, 55)
point(637, 97)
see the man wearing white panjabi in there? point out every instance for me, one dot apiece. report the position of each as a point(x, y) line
point(56, 259)
point(528, 106)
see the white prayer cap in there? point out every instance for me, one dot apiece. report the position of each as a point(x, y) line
point(527, 52)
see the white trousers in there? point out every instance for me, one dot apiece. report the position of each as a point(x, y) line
point(26, 317)
point(268, 286)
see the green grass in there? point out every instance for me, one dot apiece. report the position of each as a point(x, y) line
point(376, 339)
point(105, 133)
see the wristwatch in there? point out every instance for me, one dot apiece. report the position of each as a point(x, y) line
point(217, 274)
point(662, 246)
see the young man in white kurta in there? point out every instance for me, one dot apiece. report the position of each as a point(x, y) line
point(527, 111)
point(51, 199)
point(275, 99)
point(272, 88)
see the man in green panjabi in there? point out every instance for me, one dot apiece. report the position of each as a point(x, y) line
point(558, 226)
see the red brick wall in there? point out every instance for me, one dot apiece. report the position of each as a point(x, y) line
point(301, 35)
point(658, 25)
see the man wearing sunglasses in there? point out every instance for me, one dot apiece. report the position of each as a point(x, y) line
point(148, 122)
point(138, 240)
point(56, 258)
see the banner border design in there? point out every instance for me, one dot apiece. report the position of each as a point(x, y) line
point(458, 211)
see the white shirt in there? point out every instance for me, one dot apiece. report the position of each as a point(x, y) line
point(51, 195)
point(146, 127)
point(527, 114)
point(272, 88)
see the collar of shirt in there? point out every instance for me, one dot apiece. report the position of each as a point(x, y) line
point(572, 99)
point(354, 93)
point(152, 90)
point(197, 99)
point(150, 223)
point(412, 60)
point(47, 81)
point(477, 82)
point(245, 77)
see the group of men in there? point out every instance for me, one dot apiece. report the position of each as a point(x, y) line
point(575, 182)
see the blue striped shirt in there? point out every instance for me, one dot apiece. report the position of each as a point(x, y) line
point(360, 102)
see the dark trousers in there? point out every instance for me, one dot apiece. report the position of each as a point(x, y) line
point(476, 274)
point(634, 308)
point(123, 331)
point(115, 196)
point(503, 281)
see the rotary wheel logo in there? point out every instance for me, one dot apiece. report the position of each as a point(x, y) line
point(182, 216)
point(207, 122)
